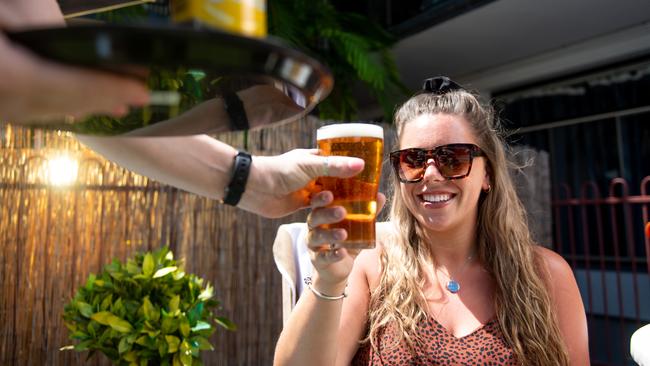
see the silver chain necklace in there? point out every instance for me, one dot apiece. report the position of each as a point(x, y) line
point(453, 286)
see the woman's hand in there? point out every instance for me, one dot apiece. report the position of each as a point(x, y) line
point(332, 263)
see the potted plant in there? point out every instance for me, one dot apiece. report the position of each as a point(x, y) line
point(145, 312)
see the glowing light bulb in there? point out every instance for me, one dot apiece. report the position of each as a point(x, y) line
point(62, 171)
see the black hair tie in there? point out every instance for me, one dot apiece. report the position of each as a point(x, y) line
point(440, 85)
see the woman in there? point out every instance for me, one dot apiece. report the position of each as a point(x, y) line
point(459, 281)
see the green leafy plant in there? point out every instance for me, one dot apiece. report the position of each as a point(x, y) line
point(145, 312)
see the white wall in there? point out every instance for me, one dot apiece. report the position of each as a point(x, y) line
point(512, 42)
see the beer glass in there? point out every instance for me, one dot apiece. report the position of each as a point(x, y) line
point(357, 194)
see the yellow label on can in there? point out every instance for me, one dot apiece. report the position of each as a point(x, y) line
point(246, 17)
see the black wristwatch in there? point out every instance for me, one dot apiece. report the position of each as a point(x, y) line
point(240, 171)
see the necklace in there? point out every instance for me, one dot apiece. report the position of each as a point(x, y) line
point(452, 285)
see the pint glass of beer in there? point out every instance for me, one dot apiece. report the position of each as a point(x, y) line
point(357, 194)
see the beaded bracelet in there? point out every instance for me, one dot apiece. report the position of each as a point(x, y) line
point(321, 295)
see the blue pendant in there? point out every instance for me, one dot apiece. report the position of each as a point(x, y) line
point(453, 286)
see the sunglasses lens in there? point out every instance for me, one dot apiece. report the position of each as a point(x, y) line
point(412, 164)
point(453, 161)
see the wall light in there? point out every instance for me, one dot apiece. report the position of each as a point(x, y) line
point(62, 170)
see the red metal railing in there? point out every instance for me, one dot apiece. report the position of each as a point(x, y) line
point(603, 240)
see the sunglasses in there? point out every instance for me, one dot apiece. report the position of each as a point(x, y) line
point(453, 161)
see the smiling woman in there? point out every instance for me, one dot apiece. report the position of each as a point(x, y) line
point(458, 279)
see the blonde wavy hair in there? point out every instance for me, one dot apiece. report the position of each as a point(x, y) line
point(505, 247)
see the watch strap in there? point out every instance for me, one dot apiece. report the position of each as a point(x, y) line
point(236, 113)
point(238, 179)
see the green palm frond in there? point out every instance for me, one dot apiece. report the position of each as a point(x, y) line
point(283, 24)
point(357, 52)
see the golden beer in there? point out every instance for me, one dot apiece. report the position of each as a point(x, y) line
point(358, 194)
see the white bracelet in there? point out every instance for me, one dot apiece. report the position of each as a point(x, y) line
point(321, 295)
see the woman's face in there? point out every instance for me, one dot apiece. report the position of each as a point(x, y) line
point(442, 205)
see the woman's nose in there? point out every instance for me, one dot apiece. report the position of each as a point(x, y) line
point(431, 171)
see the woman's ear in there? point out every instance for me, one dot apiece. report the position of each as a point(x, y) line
point(487, 180)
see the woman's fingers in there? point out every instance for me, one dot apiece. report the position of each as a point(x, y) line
point(325, 215)
point(319, 240)
point(324, 257)
point(321, 199)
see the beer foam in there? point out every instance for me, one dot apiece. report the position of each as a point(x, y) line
point(349, 130)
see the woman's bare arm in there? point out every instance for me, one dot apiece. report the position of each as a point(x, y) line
point(567, 304)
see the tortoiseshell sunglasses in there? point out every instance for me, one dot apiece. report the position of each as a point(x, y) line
point(453, 161)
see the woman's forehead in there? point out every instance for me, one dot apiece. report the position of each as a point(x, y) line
point(430, 130)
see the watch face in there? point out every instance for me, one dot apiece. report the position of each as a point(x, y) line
point(187, 71)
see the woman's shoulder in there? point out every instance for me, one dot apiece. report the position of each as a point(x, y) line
point(554, 264)
point(555, 270)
